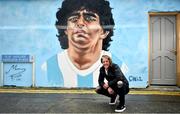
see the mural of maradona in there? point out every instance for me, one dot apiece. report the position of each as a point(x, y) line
point(85, 28)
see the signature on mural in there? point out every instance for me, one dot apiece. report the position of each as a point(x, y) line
point(15, 73)
point(135, 78)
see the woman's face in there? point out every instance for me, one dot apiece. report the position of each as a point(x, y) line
point(105, 62)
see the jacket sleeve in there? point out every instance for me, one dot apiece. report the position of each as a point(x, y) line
point(101, 77)
point(118, 74)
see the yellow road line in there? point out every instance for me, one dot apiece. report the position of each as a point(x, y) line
point(175, 93)
point(91, 91)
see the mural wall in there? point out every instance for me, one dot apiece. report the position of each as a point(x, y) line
point(27, 27)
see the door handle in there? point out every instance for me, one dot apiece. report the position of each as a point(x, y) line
point(174, 51)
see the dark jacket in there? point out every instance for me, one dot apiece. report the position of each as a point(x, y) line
point(114, 75)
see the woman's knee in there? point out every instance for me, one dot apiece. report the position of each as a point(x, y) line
point(98, 88)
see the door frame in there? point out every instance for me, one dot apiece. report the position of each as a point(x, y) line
point(177, 14)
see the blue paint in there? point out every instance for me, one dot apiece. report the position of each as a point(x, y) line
point(54, 75)
point(27, 27)
point(17, 74)
point(85, 81)
point(16, 58)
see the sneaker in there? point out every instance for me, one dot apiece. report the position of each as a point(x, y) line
point(120, 108)
point(113, 100)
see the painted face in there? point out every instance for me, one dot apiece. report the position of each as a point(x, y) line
point(84, 30)
point(105, 62)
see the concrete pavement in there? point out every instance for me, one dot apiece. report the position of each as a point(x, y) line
point(56, 100)
point(84, 103)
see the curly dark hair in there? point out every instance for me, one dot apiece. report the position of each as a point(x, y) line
point(101, 7)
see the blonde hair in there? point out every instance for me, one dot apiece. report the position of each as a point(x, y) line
point(107, 57)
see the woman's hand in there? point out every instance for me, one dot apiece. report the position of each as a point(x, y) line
point(105, 86)
point(110, 91)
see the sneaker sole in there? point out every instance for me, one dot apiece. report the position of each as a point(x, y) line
point(114, 101)
point(120, 110)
